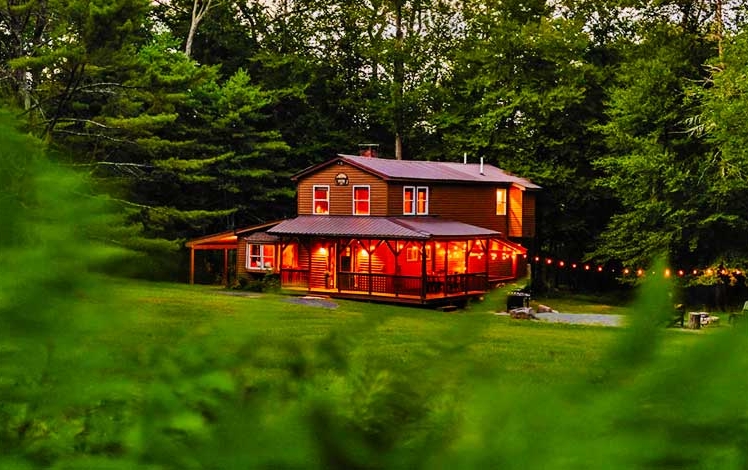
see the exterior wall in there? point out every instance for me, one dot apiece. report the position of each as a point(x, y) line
point(515, 212)
point(528, 214)
point(341, 197)
point(474, 205)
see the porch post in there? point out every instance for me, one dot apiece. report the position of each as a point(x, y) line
point(467, 264)
point(226, 267)
point(446, 269)
point(486, 249)
point(192, 265)
point(423, 271)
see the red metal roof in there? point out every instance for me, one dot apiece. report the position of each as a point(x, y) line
point(417, 228)
point(416, 170)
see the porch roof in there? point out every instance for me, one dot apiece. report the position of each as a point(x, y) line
point(414, 228)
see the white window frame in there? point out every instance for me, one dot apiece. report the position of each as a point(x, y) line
point(368, 200)
point(315, 200)
point(412, 210)
point(418, 190)
point(501, 203)
point(261, 256)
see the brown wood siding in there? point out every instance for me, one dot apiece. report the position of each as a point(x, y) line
point(474, 205)
point(528, 214)
point(241, 258)
point(341, 197)
point(515, 212)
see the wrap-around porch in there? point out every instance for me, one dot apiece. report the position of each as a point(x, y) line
point(408, 271)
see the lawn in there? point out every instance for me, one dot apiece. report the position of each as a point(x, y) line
point(175, 376)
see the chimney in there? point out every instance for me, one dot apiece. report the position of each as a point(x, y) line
point(481, 165)
point(368, 150)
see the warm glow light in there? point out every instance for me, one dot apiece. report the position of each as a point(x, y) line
point(695, 272)
point(626, 271)
point(574, 265)
point(599, 269)
point(549, 261)
point(493, 255)
point(438, 245)
point(709, 271)
point(586, 267)
point(667, 272)
point(537, 258)
point(680, 272)
point(561, 263)
point(364, 253)
point(323, 251)
point(639, 272)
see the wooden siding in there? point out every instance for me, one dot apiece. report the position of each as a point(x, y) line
point(241, 258)
point(341, 197)
point(515, 212)
point(474, 205)
point(528, 214)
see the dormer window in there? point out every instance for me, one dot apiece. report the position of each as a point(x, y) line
point(415, 200)
point(361, 200)
point(321, 200)
point(501, 201)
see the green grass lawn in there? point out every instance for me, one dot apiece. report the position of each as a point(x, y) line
point(177, 376)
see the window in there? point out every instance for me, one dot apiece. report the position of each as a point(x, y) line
point(321, 202)
point(260, 256)
point(415, 200)
point(501, 201)
point(409, 200)
point(361, 200)
point(422, 200)
point(413, 253)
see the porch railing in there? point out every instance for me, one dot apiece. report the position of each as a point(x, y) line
point(451, 284)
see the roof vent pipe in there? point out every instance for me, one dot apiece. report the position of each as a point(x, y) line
point(481, 165)
point(464, 158)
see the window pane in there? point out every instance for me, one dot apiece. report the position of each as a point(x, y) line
point(408, 200)
point(361, 193)
point(320, 193)
point(423, 201)
point(501, 202)
point(321, 200)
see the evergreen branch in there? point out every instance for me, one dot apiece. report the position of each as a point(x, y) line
point(86, 134)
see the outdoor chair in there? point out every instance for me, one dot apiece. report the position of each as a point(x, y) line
point(734, 316)
point(679, 312)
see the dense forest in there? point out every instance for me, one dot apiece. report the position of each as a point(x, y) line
point(190, 115)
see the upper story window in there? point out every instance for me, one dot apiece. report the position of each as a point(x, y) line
point(321, 200)
point(501, 201)
point(260, 256)
point(361, 200)
point(415, 200)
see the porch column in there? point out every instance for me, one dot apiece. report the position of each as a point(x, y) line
point(446, 269)
point(226, 267)
point(467, 263)
point(486, 250)
point(192, 265)
point(423, 271)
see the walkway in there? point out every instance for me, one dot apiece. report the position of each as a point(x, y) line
point(578, 318)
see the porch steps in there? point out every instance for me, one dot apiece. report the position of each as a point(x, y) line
point(447, 308)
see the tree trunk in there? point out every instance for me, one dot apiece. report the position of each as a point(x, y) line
point(399, 79)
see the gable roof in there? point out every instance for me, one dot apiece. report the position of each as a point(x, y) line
point(415, 228)
point(417, 170)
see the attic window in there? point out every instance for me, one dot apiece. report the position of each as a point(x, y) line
point(321, 200)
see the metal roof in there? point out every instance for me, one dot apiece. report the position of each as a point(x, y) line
point(437, 171)
point(416, 228)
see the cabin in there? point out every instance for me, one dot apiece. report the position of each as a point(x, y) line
point(401, 231)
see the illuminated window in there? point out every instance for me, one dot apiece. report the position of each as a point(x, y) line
point(361, 200)
point(422, 200)
point(409, 200)
point(413, 253)
point(260, 256)
point(415, 200)
point(321, 202)
point(501, 201)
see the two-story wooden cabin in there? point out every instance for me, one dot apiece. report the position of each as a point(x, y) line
point(396, 230)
